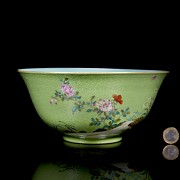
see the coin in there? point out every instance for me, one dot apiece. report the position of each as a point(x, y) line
point(171, 135)
point(170, 152)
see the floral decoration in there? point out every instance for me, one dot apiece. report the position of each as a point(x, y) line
point(105, 112)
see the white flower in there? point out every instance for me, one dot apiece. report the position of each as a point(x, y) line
point(104, 105)
point(53, 101)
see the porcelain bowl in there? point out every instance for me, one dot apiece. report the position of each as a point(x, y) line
point(92, 105)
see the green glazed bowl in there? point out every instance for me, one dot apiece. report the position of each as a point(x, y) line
point(92, 105)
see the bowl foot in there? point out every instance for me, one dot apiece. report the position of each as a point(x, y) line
point(91, 140)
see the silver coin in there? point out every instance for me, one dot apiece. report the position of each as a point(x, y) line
point(170, 152)
point(171, 135)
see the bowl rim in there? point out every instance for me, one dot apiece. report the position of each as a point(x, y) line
point(64, 70)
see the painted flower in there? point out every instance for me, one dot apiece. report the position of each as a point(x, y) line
point(67, 89)
point(118, 98)
point(53, 101)
point(104, 105)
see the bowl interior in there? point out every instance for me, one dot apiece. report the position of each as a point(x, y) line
point(88, 70)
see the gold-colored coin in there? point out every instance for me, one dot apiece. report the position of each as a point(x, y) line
point(170, 152)
point(171, 135)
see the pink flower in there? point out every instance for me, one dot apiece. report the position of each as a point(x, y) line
point(104, 105)
point(67, 89)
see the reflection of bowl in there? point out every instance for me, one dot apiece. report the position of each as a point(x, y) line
point(67, 171)
point(92, 105)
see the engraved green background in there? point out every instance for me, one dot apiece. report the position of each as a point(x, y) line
point(134, 88)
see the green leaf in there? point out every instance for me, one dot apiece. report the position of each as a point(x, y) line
point(98, 123)
point(113, 115)
point(127, 109)
point(115, 125)
point(117, 120)
point(75, 108)
point(110, 117)
point(89, 110)
point(110, 112)
point(92, 119)
point(91, 124)
point(106, 127)
point(102, 118)
point(92, 97)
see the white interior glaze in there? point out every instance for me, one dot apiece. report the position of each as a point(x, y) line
point(87, 70)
